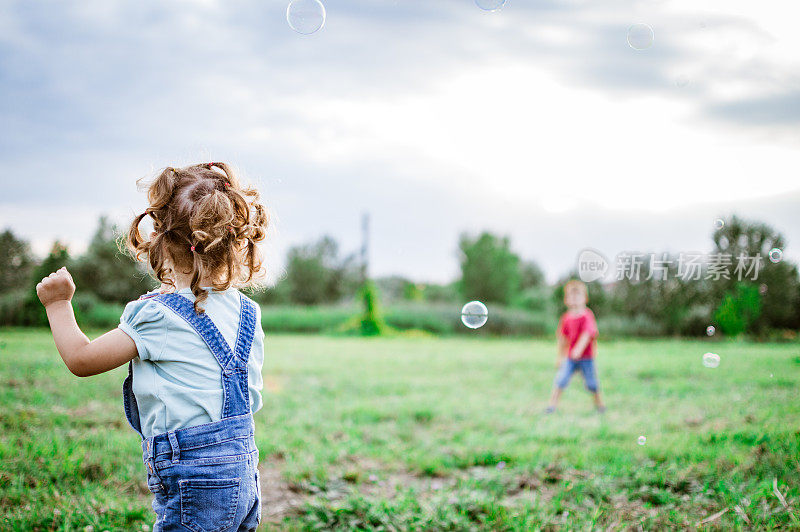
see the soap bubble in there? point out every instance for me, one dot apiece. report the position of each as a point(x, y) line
point(711, 360)
point(641, 440)
point(640, 36)
point(305, 16)
point(490, 5)
point(719, 223)
point(474, 314)
point(710, 330)
point(762, 289)
point(775, 255)
point(682, 81)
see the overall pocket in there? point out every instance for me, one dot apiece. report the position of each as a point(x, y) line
point(209, 504)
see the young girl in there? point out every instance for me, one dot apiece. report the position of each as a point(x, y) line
point(194, 348)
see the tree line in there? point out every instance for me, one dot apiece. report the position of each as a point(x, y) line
point(318, 274)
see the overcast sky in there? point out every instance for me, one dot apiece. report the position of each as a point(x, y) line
point(538, 120)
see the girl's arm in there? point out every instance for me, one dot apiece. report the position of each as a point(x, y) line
point(82, 356)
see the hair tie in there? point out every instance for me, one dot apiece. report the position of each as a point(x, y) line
point(209, 165)
point(191, 247)
point(227, 185)
point(231, 230)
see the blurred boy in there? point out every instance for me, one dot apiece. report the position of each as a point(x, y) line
point(577, 345)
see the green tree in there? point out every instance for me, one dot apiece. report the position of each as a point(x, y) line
point(272, 295)
point(32, 312)
point(531, 275)
point(533, 293)
point(738, 309)
point(315, 273)
point(489, 269)
point(677, 303)
point(777, 283)
point(107, 272)
point(16, 262)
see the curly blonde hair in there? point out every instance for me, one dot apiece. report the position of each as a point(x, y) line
point(206, 224)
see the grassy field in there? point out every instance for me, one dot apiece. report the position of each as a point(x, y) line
point(427, 433)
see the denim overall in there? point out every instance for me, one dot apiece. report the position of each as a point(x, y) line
point(205, 478)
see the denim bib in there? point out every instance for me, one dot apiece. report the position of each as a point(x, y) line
point(205, 477)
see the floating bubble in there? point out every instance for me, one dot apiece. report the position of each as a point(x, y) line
point(305, 16)
point(490, 5)
point(719, 223)
point(681, 81)
point(775, 255)
point(770, 375)
point(501, 465)
point(640, 36)
point(762, 289)
point(641, 440)
point(711, 360)
point(710, 330)
point(474, 314)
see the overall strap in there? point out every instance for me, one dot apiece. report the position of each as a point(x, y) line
point(203, 325)
point(235, 384)
point(247, 329)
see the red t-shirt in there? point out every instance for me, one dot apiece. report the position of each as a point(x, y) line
point(571, 326)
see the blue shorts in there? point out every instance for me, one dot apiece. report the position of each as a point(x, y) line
point(569, 366)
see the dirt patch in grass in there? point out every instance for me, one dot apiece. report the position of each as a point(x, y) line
point(279, 498)
point(373, 479)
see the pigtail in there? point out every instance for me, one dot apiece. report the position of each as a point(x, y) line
point(200, 294)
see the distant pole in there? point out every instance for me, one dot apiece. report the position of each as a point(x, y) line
point(364, 246)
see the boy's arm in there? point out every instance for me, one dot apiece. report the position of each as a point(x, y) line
point(563, 349)
point(580, 345)
point(82, 356)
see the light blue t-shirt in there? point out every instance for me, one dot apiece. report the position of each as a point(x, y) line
point(176, 379)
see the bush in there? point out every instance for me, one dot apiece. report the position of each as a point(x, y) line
point(538, 298)
point(641, 325)
point(17, 308)
point(371, 321)
point(12, 307)
point(739, 309)
point(446, 319)
point(91, 312)
point(435, 319)
point(696, 321)
point(517, 322)
point(439, 319)
point(304, 319)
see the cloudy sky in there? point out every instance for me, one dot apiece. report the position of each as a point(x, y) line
point(538, 120)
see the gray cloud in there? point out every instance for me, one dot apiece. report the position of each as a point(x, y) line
point(779, 109)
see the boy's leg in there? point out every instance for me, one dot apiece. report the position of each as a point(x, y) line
point(598, 402)
point(590, 378)
point(554, 398)
point(560, 382)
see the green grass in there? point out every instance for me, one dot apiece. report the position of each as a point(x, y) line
point(432, 433)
